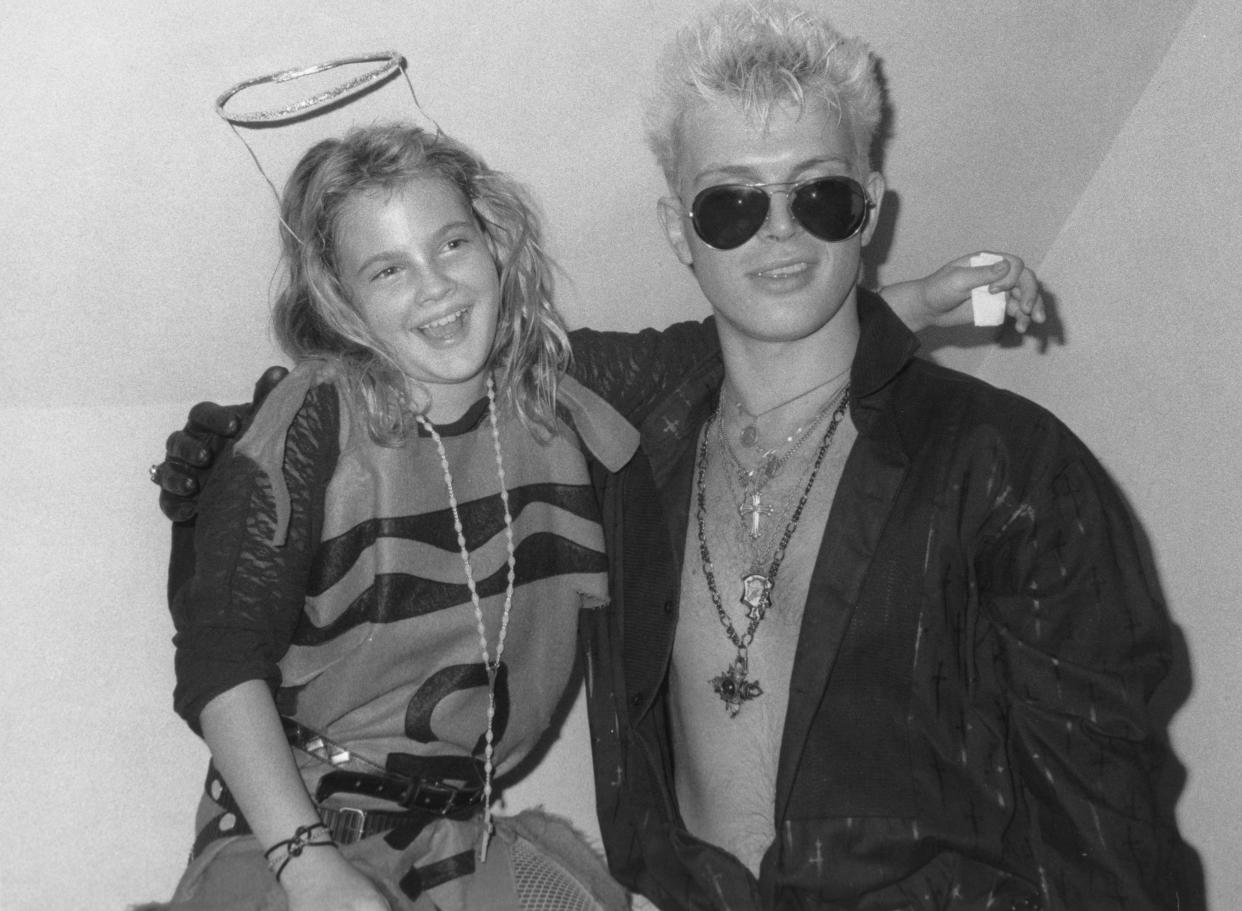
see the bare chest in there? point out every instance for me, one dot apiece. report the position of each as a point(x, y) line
point(730, 676)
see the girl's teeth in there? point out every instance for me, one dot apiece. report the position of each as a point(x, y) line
point(443, 328)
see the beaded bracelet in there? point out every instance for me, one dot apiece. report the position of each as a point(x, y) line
point(293, 847)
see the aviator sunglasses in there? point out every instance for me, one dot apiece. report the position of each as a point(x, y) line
point(830, 208)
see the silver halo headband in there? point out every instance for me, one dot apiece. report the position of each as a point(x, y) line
point(390, 62)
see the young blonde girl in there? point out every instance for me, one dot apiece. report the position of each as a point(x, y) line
point(390, 562)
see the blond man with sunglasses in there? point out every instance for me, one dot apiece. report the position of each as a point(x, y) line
point(881, 634)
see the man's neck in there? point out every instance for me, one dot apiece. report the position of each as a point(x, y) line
point(764, 373)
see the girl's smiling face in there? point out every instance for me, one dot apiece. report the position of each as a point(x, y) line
point(421, 273)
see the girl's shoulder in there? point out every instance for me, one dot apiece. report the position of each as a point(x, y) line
point(315, 398)
point(608, 436)
point(301, 391)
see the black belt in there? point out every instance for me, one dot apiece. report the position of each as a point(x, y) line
point(419, 796)
point(348, 825)
point(418, 784)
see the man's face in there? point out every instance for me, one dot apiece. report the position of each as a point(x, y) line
point(783, 284)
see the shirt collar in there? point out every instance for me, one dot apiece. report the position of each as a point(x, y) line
point(885, 346)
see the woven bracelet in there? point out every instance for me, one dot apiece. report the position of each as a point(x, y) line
point(287, 850)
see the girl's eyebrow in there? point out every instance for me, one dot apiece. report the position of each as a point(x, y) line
point(457, 226)
point(383, 255)
point(398, 252)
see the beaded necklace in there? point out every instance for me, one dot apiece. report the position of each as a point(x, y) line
point(492, 665)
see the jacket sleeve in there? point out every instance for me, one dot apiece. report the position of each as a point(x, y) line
point(633, 371)
point(1079, 641)
point(236, 613)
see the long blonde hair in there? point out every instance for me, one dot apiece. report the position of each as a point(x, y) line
point(314, 316)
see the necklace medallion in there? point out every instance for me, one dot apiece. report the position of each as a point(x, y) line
point(756, 595)
point(734, 685)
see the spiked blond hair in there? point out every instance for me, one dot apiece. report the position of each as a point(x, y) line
point(758, 54)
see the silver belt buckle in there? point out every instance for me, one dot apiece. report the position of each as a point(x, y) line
point(349, 826)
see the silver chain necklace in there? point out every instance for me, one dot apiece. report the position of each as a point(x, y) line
point(734, 685)
point(750, 431)
point(751, 508)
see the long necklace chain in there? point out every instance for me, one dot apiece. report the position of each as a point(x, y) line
point(491, 665)
point(734, 685)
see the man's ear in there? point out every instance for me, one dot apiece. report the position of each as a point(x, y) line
point(673, 218)
point(875, 190)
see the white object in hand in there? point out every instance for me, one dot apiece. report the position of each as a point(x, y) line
point(988, 308)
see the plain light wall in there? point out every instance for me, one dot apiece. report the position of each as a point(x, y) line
point(1149, 378)
point(138, 250)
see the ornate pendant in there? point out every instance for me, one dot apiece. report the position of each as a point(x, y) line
point(750, 434)
point(756, 595)
point(734, 688)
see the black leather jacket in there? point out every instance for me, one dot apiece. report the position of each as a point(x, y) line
point(968, 723)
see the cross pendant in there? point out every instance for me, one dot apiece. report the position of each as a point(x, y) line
point(757, 510)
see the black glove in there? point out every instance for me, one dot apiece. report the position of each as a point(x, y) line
point(190, 452)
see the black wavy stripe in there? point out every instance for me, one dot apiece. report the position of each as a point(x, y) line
point(393, 597)
point(418, 880)
point(481, 520)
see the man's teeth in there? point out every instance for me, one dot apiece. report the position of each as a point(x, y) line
point(784, 271)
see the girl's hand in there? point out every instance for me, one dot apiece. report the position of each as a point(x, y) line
point(321, 879)
point(943, 298)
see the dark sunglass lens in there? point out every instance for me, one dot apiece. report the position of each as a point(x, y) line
point(727, 217)
point(832, 209)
